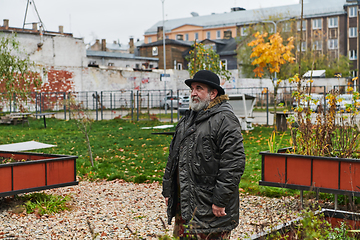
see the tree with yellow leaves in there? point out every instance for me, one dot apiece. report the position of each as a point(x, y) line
point(269, 55)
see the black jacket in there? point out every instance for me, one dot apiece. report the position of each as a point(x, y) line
point(207, 156)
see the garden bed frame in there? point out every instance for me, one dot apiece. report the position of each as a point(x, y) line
point(311, 173)
point(334, 217)
point(38, 172)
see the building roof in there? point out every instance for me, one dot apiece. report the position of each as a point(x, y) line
point(168, 42)
point(314, 74)
point(244, 17)
point(103, 54)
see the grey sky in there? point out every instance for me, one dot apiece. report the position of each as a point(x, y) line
point(117, 19)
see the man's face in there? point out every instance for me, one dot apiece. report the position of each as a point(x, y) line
point(200, 96)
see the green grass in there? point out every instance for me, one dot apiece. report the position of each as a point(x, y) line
point(45, 203)
point(122, 150)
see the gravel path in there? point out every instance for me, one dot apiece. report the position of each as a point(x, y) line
point(121, 210)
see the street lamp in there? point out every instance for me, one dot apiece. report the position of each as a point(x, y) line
point(164, 53)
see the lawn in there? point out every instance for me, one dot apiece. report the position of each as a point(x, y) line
point(121, 149)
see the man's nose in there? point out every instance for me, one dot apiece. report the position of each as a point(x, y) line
point(193, 93)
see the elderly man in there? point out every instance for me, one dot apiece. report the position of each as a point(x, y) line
point(205, 164)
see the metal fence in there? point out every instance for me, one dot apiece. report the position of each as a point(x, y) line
point(136, 105)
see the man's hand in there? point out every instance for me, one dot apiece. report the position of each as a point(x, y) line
point(218, 211)
point(166, 201)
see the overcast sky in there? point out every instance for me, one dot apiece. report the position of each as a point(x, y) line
point(116, 19)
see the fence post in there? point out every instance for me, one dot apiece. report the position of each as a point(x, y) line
point(148, 105)
point(132, 104)
point(40, 110)
point(178, 111)
point(64, 105)
point(111, 102)
point(69, 97)
point(14, 102)
point(36, 97)
point(172, 106)
point(267, 106)
point(138, 108)
point(324, 101)
point(96, 104)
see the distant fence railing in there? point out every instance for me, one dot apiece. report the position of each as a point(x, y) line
point(134, 105)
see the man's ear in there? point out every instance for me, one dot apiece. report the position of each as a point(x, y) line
point(213, 94)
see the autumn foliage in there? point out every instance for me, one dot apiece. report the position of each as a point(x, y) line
point(270, 54)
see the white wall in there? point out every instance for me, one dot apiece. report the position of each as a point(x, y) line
point(67, 55)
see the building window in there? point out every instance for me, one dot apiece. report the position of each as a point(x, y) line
point(110, 64)
point(317, 45)
point(333, 44)
point(208, 35)
point(179, 37)
point(333, 22)
point(149, 39)
point(244, 31)
point(303, 25)
point(352, 55)
point(186, 37)
point(303, 47)
point(196, 36)
point(352, 11)
point(179, 66)
point(287, 27)
point(353, 32)
point(137, 66)
point(218, 34)
point(317, 23)
point(223, 64)
point(354, 73)
point(155, 51)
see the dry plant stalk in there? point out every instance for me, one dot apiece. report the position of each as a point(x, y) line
point(83, 121)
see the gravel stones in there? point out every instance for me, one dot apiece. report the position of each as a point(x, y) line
point(122, 210)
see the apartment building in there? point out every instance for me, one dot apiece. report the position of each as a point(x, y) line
point(329, 26)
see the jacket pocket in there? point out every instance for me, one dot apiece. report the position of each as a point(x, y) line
point(203, 201)
point(205, 161)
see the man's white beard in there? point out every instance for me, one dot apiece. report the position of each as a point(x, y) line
point(197, 106)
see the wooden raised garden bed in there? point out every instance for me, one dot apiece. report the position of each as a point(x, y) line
point(324, 174)
point(334, 217)
point(22, 172)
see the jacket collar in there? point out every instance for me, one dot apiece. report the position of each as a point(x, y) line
point(217, 100)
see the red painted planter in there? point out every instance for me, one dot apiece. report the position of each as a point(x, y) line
point(325, 174)
point(334, 217)
point(39, 172)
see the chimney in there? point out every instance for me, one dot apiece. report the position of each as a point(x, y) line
point(160, 33)
point(131, 44)
point(61, 29)
point(103, 44)
point(34, 26)
point(227, 34)
point(6, 23)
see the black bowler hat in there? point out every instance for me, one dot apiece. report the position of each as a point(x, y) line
point(207, 77)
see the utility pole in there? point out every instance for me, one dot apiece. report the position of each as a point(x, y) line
point(164, 53)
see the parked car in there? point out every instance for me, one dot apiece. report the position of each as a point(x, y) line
point(346, 100)
point(315, 102)
point(183, 102)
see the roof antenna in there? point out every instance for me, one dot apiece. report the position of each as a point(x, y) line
point(29, 2)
